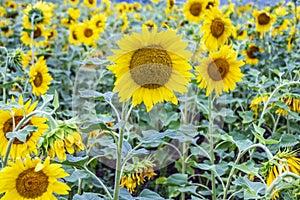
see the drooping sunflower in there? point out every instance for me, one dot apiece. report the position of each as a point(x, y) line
point(280, 163)
point(264, 20)
point(220, 71)
point(32, 180)
point(251, 57)
point(40, 78)
point(42, 13)
point(216, 29)
point(20, 149)
point(292, 101)
point(194, 10)
point(90, 3)
point(87, 34)
point(257, 103)
point(40, 36)
point(150, 67)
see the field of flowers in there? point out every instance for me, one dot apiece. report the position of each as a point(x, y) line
point(149, 100)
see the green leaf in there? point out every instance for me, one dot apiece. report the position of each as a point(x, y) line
point(76, 175)
point(55, 102)
point(259, 130)
point(247, 168)
point(149, 195)
point(160, 180)
point(75, 161)
point(22, 134)
point(288, 140)
point(47, 98)
point(177, 180)
point(247, 116)
point(87, 196)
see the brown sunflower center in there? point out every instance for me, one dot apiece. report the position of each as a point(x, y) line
point(31, 184)
point(37, 33)
point(171, 3)
point(251, 51)
point(218, 69)
point(74, 35)
point(99, 23)
point(217, 28)
point(196, 9)
point(5, 29)
point(88, 32)
point(8, 127)
point(38, 79)
point(240, 33)
point(91, 1)
point(263, 19)
point(151, 67)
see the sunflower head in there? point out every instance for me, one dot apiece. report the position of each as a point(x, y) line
point(194, 10)
point(150, 66)
point(252, 54)
point(40, 13)
point(264, 20)
point(220, 71)
point(32, 179)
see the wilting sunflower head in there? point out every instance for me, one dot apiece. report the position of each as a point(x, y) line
point(9, 120)
point(62, 140)
point(292, 101)
point(150, 67)
point(135, 173)
point(194, 10)
point(32, 179)
point(280, 163)
point(220, 71)
point(264, 20)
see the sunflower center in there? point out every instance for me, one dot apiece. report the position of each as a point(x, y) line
point(195, 9)
point(98, 23)
point(217, 28)
point(74, 35)
point(151, 67)
point(37, 33)
point(31, 184)
point(171, 2)
point(88, 32)
point(263, 19)
point(218, 69)
point(38, 79)
point(5, 29)
point(251, 52)
point(91, 1)
point(8, 127)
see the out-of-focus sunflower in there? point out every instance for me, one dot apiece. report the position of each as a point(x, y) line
point(27, 58)
point(6, 30)
point(87, 34)
point(220, 71)
point(32, 180)
point(98, 22)
point(212, 4)
point(251, 57)
point(90, 3)
point(170, 5)
point(280, 28)
point(264, 20)
point(40, 36)
point(194, 10)
point(41, 13)
point(156, 1)
point(73, 38)
point(149, 25)
point(280, 163)
point(257, 103)
point(74, 2)
point(216, 29)
point(150, 67)
point(40, 78)
point(9, 120)
point(10, 4)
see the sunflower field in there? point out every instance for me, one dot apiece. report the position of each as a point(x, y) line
point(149, 100)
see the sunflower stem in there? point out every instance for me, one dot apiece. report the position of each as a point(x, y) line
point(4, 75)
point(211, 145)
point(118, 171)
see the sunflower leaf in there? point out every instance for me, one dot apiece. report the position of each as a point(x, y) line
point(22, 134)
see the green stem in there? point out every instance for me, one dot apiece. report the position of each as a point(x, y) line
point(240, 155)
point(4, 75)
point(184, 145)
point(211, 145)
point(100, 182)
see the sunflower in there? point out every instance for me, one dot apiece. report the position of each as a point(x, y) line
point(74, 2)
point(194, 10)
point(90, 3)
point(27, 57)
point(220, 71)
point(10, 4)
point(40, 78)
point(2, 11)
point(87, 34)
point(264, 20)
point(42, 13)
point(32, 180)
point(149, 24)
point(281, 162)
point(170, 6)
point(73, 38)
point(150, 66)
point(292, 101)
point(212, 4)
point(6, 29)
point(216, 29)
point(20, 149)
point(98, 22)
point(156, 1)
point(256, 103)
point(40, 36)
point(251, 57)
